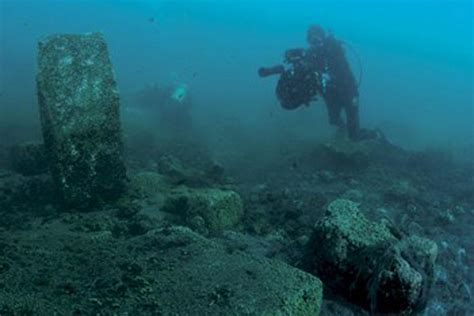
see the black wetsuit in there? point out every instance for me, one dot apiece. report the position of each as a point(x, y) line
point(319, 70)
point(338, 86)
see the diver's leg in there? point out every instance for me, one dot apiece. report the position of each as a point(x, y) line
point(334, 112)
point(352, 116)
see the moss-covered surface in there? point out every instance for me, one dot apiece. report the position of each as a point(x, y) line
point(206, 209)
point(368, 265)
point(107, 261)
point(344, 219)
point(79, 110)
point(56, 268)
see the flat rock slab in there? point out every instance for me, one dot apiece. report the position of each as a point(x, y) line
point(167, 271)
point(79, 110)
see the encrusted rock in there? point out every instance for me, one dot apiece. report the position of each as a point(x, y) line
point(342, 153)
point(349, 153)
point(211, 280)
point(213, 208)
point(167, 271)
point(149, 183)
point(368, 265)
point(79, 110)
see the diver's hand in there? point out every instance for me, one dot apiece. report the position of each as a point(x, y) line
point(268, 71)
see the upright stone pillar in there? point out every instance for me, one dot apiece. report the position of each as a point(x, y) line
point(79, 110)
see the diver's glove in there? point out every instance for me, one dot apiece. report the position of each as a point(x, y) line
point(269, 71)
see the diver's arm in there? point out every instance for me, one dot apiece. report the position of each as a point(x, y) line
point(269, 71)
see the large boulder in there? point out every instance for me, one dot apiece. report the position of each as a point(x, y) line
point(79, 110)
point(367, 264)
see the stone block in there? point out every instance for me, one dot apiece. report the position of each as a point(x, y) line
point(79, 111)
point(368, 265)
point(207, 209)
point(203, 278)
point(167, 271)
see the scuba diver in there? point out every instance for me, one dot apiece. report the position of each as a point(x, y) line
point(321, 69)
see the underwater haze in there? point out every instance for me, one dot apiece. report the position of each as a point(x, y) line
point(237, 157)
point(415, 57)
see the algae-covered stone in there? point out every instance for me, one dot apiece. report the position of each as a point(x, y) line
point(203, 278)
point(149, 183)
point(29, 159)
point(79, 109)
point(167, 271)
point(219, 209)
point(367, 264)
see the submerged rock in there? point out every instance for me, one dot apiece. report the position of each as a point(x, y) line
point(369, 266)
point(29, 159)
point(149, 184)
point(167, 271)
point(79, 110)
point(208, 209)
point(345, 154)
point(349, 153)
point(176, 172)
point(212, 281)
point(402, 191)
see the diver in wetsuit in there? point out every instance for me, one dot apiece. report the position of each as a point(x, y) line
point(321, 69)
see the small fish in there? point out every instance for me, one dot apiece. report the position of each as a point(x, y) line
point(151, 19)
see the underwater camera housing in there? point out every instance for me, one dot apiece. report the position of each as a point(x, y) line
point(297, 87)
point(298, 84)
